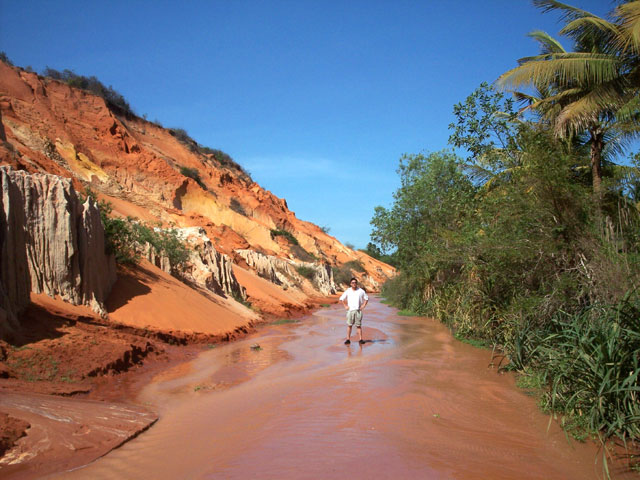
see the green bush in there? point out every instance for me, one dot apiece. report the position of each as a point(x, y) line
point(343, 273)
point(374, 252)
point(238, 298)
point(307, 272)
point(114, 100)
point(284, 233)
point(355, 265)
point(126, 238)
point(194, 174)
point(4, 58)
point(121, 240)
point(183, 137)
point(165, 243)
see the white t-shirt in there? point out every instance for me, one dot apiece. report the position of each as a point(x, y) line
point(355, 298)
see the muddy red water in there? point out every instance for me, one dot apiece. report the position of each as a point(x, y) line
point(412, 402)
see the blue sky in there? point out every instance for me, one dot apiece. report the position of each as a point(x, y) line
point(316, 99)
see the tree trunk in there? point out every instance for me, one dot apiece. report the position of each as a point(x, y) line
point(597, 145)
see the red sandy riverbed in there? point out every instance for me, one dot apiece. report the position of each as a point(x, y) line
point(411, 403)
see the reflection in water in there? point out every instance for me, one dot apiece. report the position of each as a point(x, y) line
point(410, 403)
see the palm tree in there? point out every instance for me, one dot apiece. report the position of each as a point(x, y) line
point(592, 90)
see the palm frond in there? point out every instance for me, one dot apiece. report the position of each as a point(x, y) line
point(590, 108)
point(567, 12)
point(563, 70)
point(616, 144)
point(525, 97)
point(548, 44)
point(487, 178)
point(628, 15)
point(592, 33)
point(477, 174)
point(629, 111)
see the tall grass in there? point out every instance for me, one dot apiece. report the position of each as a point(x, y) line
point(591, 362)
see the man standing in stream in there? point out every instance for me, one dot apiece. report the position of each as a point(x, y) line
point(354, 300)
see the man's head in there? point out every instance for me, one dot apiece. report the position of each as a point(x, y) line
point(353, 282)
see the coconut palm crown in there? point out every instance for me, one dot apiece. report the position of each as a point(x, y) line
point(592, 90)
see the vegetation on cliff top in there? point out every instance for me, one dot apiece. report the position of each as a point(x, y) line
point(113, 99)
point(532, 242)
point(117, 103)
point(221, 158)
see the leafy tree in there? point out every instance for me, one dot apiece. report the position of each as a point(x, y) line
point(487, 128)
point(375, 252)
point(428, 220)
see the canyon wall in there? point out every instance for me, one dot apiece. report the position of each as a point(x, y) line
point(51, 243)
point(152, 173)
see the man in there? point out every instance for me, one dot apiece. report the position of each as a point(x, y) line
point(354, 300)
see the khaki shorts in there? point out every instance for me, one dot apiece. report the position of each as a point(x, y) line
point(354, 316)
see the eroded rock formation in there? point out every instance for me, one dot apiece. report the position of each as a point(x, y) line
point(51, 243)
point(286, 272)
point(148, 172)
point(206, 267)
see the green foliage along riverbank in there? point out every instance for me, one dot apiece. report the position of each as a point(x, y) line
point(532, 244)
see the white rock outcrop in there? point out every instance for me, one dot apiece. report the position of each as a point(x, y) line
point(50, 243)
point(206, 267)
point(286, 273)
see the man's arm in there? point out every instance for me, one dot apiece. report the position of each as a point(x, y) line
point(343, 300)
point(366, 300)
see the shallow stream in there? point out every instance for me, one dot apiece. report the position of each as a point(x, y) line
point(411, 403)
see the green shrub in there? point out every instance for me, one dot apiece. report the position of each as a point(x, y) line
point(342, 274)
point(355, 265)
point(284, 233)
point(183, 137)
point(194, 174)
point(165, 243)
point(307, 272)
point(4, 58)
point(121, 240)
point(511, 248)
point(284, 321)
point(374, 252)
point(238, 298)
point(126, 238)
point(224, 159)
point(114, 100)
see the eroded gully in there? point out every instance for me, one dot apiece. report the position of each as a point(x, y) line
point(412, 402)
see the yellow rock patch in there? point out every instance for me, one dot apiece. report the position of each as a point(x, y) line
point(250, 229)
point(80, 163)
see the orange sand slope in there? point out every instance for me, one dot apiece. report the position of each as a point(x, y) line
point(269, 297)
point(147, 297)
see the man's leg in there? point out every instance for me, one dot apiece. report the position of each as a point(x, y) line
point(360, 334)
point(348, 340)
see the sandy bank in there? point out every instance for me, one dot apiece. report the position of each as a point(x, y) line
point(67, 351)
